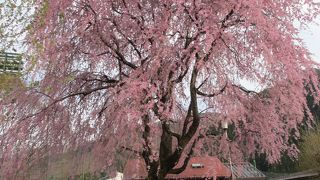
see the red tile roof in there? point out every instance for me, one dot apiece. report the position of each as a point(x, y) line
point(210, 167)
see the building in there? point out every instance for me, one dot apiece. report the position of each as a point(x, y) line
point(197, 168)
point(10, 62)
point(10, 68)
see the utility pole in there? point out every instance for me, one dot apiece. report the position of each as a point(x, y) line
point(225, 133)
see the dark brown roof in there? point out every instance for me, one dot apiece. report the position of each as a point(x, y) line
point(198, 167)
point(245, 170)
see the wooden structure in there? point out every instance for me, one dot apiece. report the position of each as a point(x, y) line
point(10, 62)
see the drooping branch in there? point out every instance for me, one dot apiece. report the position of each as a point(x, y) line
point(85, 92)
point(103, 78)
point(55, 101)
point(131, 150)
point(104, 107)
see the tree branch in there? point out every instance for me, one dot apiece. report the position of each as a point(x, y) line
point(226, 18)
point(120, 56)
point(186, 121)
point(167, 129)
point(186, 160)
point(244, 89)
point(129, 40)
point(145, 136)
point(131, 150)
point(213, 94)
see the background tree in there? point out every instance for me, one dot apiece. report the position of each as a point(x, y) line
point(151, 76)
point(308, 131)
point(8, 82)
point(310, 150)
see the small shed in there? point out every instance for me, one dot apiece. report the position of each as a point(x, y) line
point(197, 168)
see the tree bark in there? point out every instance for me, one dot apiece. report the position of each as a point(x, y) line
point(167, 158)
